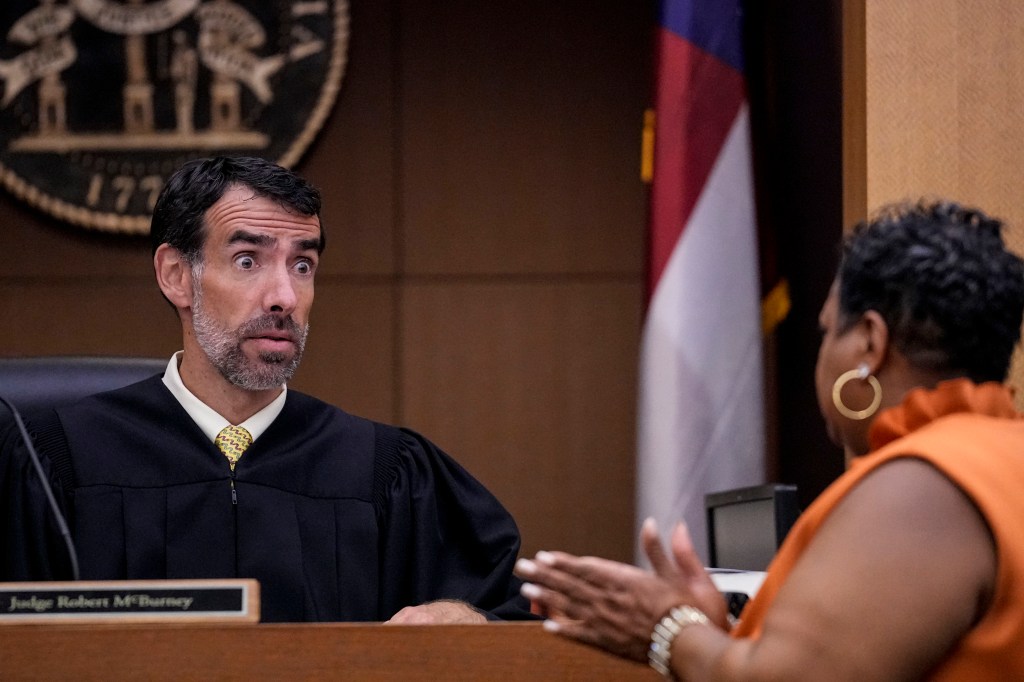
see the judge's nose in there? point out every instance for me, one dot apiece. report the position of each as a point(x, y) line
point(279, 294)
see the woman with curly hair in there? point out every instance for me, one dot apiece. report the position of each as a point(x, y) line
point(910, 565)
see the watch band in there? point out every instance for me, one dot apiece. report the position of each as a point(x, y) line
point(660, 652)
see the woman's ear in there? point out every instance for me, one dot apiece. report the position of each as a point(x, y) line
point(173, 275)
point(876, 334)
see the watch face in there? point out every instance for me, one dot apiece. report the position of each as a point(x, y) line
point(100, 100)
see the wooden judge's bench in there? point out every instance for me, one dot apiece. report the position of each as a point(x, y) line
point(496, 651)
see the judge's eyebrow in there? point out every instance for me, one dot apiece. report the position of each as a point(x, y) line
point(266, 241)
point(251, 238)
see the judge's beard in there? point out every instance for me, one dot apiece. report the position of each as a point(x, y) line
point(224, 347)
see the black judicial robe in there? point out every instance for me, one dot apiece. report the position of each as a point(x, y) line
point(338, 518)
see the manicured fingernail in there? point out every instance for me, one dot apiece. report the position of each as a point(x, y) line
point(545, 558)
point(552, 626)
point(650, 524)
point(530, 591)
point(526, 566)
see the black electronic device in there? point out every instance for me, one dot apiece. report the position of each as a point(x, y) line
point(747, 525)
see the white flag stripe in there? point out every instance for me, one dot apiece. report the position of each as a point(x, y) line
point(701, 407)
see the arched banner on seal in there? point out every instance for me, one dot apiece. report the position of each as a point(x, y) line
point(100, 100)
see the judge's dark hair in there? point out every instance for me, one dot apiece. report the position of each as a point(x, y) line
point(941, 277)
point(199, 184)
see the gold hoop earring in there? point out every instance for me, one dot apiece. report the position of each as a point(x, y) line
point(860, 373)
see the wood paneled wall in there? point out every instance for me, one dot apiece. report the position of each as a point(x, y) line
point(482, 281)
point(934, 95)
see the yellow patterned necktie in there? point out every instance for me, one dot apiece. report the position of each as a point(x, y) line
point(232, 441)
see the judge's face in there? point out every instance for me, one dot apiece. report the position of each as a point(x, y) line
point(253, 289)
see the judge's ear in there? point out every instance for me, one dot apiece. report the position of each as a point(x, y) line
point(173, 275)
point(876, 339)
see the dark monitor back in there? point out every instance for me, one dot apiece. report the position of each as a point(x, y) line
point(747, 525)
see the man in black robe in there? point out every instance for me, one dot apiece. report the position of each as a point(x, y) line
point(338, 518)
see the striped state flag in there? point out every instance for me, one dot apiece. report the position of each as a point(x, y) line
point(701, 406)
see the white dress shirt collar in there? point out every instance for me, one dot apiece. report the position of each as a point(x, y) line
point(206, 418)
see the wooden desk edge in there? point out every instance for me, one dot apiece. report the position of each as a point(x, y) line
point(359, 651)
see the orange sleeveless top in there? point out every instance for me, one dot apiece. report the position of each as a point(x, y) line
point(973, 435)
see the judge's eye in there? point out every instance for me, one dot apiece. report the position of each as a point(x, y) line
point(304, 267)
point(245, 262)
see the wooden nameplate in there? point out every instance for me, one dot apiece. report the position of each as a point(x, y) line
point(140, 601)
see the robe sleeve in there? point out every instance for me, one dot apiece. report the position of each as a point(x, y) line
point(31, 545)
point(443, 534)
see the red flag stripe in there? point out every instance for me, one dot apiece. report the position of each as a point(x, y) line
point(697, 101)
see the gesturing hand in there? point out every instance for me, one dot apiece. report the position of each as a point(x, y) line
point(685, 571)
point(614, 605)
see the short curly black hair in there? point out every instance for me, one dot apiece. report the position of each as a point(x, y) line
point(943, 280)
point(178, 218)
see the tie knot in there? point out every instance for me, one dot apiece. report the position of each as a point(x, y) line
point(232, 441)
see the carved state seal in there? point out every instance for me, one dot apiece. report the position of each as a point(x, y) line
point(100, 100)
